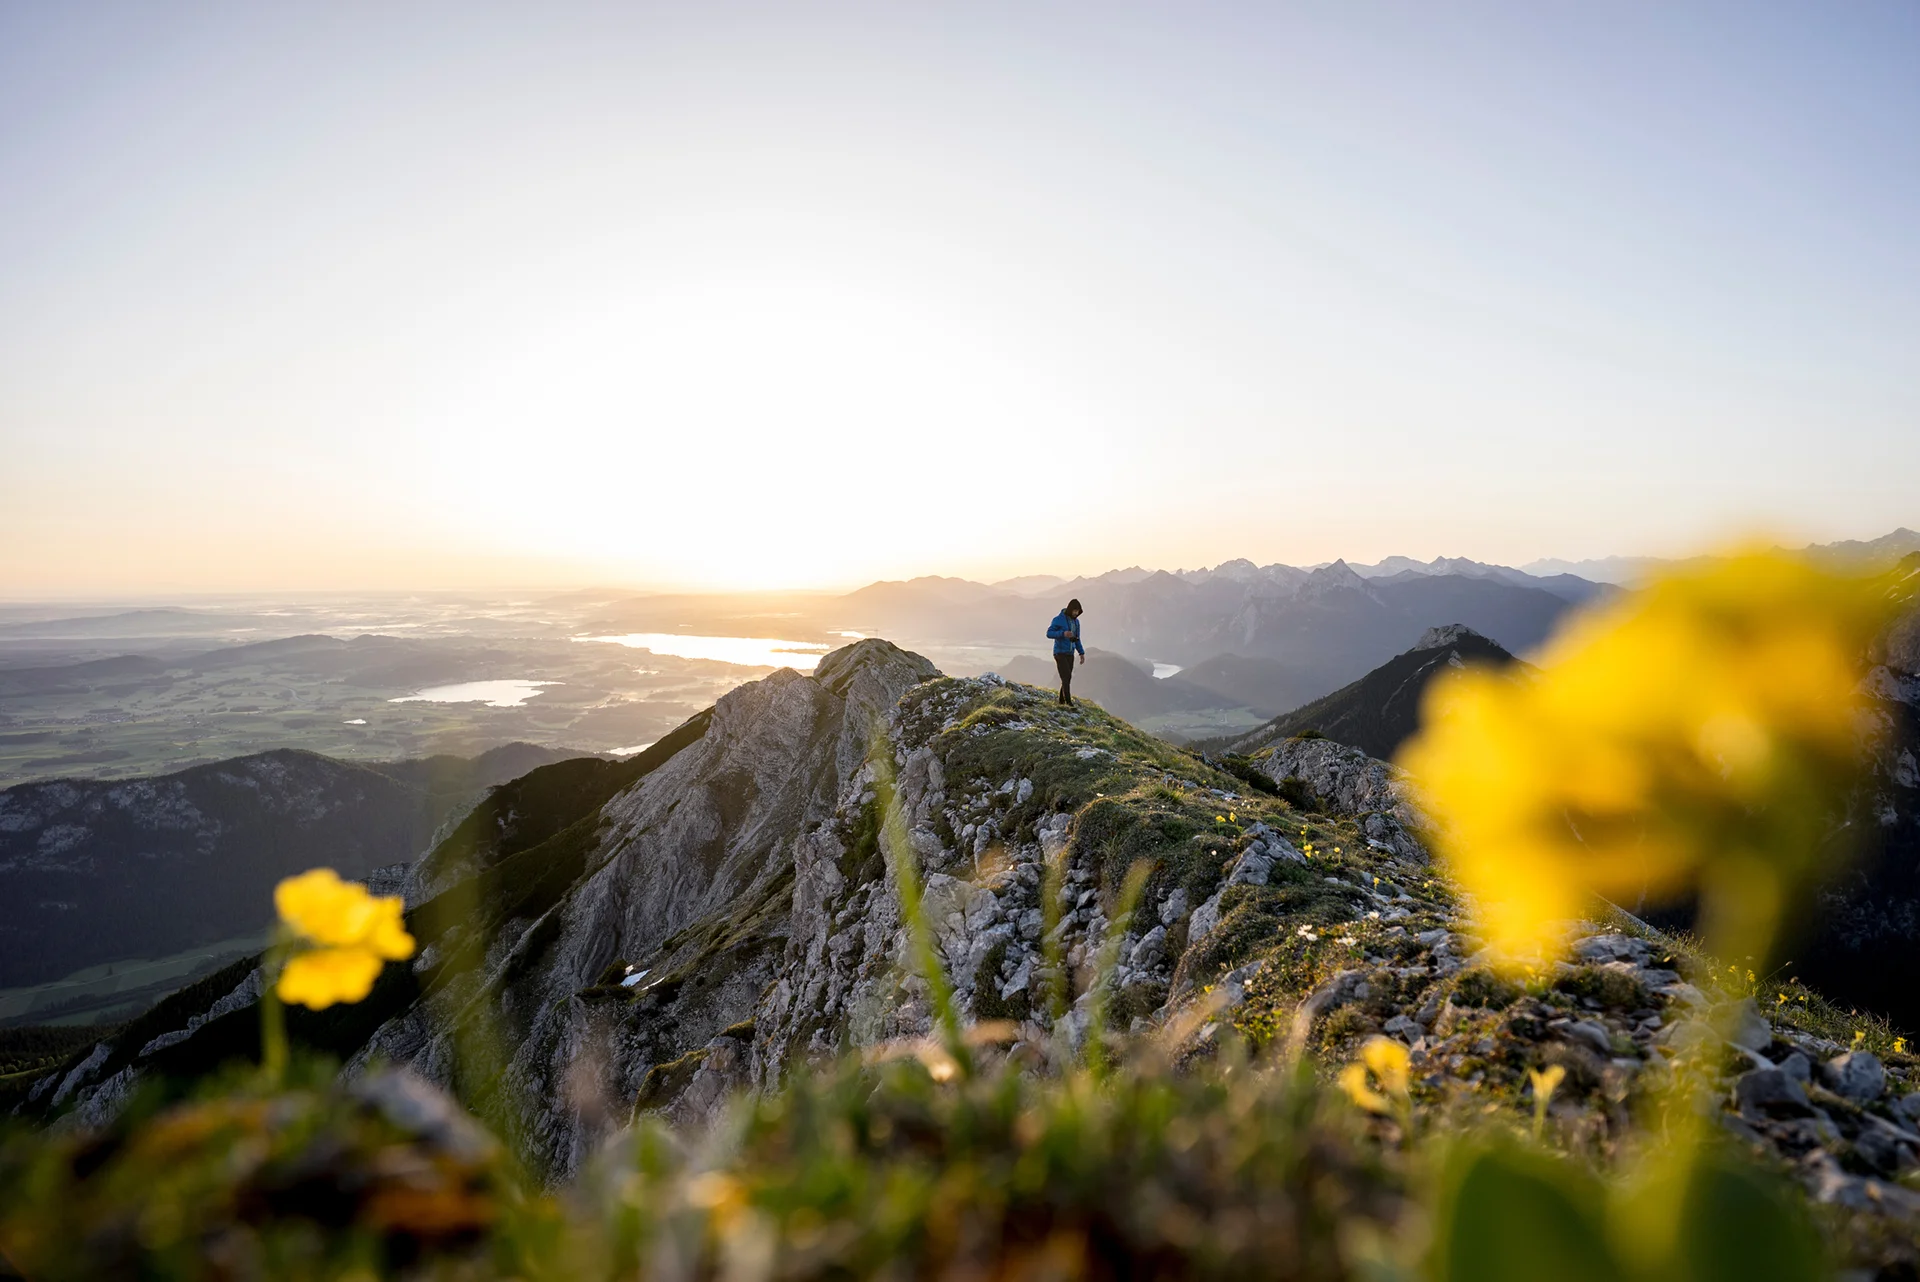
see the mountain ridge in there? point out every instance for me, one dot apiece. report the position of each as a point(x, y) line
point(1380, 711)
point(96, 871)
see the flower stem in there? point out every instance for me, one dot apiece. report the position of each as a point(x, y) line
point(273, 1019)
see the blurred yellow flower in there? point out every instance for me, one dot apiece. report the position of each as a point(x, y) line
point(1387, 1062)
point(1545, 1082)
point(1353, 1081)
point(1689, 733)
point(342, 937)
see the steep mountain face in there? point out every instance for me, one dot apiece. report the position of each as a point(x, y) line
point(1860, 945)
point(92, 871)
point(1899, 649)
point(1382, 709)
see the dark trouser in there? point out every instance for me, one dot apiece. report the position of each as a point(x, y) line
point(1064, 662)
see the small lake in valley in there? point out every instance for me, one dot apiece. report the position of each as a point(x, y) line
point(757, 652)
point(495, 694)
point(1162, 671)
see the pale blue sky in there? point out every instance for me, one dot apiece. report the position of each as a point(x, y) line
point(355, 295)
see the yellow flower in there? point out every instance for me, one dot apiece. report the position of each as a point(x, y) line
point(342, 937)
point(1353, 1080)
point(1858, 1037)
point(1545, 1082)
point(1781, 1000)
point(1387, 1062)
point(323, 976)
point(1684, 735)
point(1232, 816)
point(1899, 1046)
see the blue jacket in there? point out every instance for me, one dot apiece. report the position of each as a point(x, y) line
point(1065, 631)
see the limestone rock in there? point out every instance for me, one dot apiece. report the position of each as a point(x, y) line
point(1856, 1075)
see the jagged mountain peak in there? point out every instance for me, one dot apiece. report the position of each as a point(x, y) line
point(1448, 634)
point(870, 656)
point(1334, 576)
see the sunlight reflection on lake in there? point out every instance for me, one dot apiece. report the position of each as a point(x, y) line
point(495, 694)
point(1162, 671)
point(759, 652)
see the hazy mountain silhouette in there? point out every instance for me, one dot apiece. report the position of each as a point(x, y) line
point(93, 871)
point(1382, 709)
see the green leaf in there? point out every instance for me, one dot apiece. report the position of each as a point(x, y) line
point(1508, 1214)
point(1738, 1224)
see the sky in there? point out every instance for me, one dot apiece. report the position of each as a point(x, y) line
point(341, 295)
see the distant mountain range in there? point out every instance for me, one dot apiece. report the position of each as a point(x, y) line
point(1266, 638)
point(1887, 548)
point(94, 871)
point(1604, 570)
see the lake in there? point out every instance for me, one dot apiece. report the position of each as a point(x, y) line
point(755, 652)
point(495, 694)
point(1162, 671)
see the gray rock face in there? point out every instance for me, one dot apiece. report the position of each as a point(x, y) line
point(1856, 1075)
point(1438, 638)
point(702, 875)
point(1253, 867)
point(1348, 781)
point(1749, 1029)
point(1770, 1092)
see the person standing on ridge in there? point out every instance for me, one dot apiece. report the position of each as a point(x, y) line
point(1065, 632)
